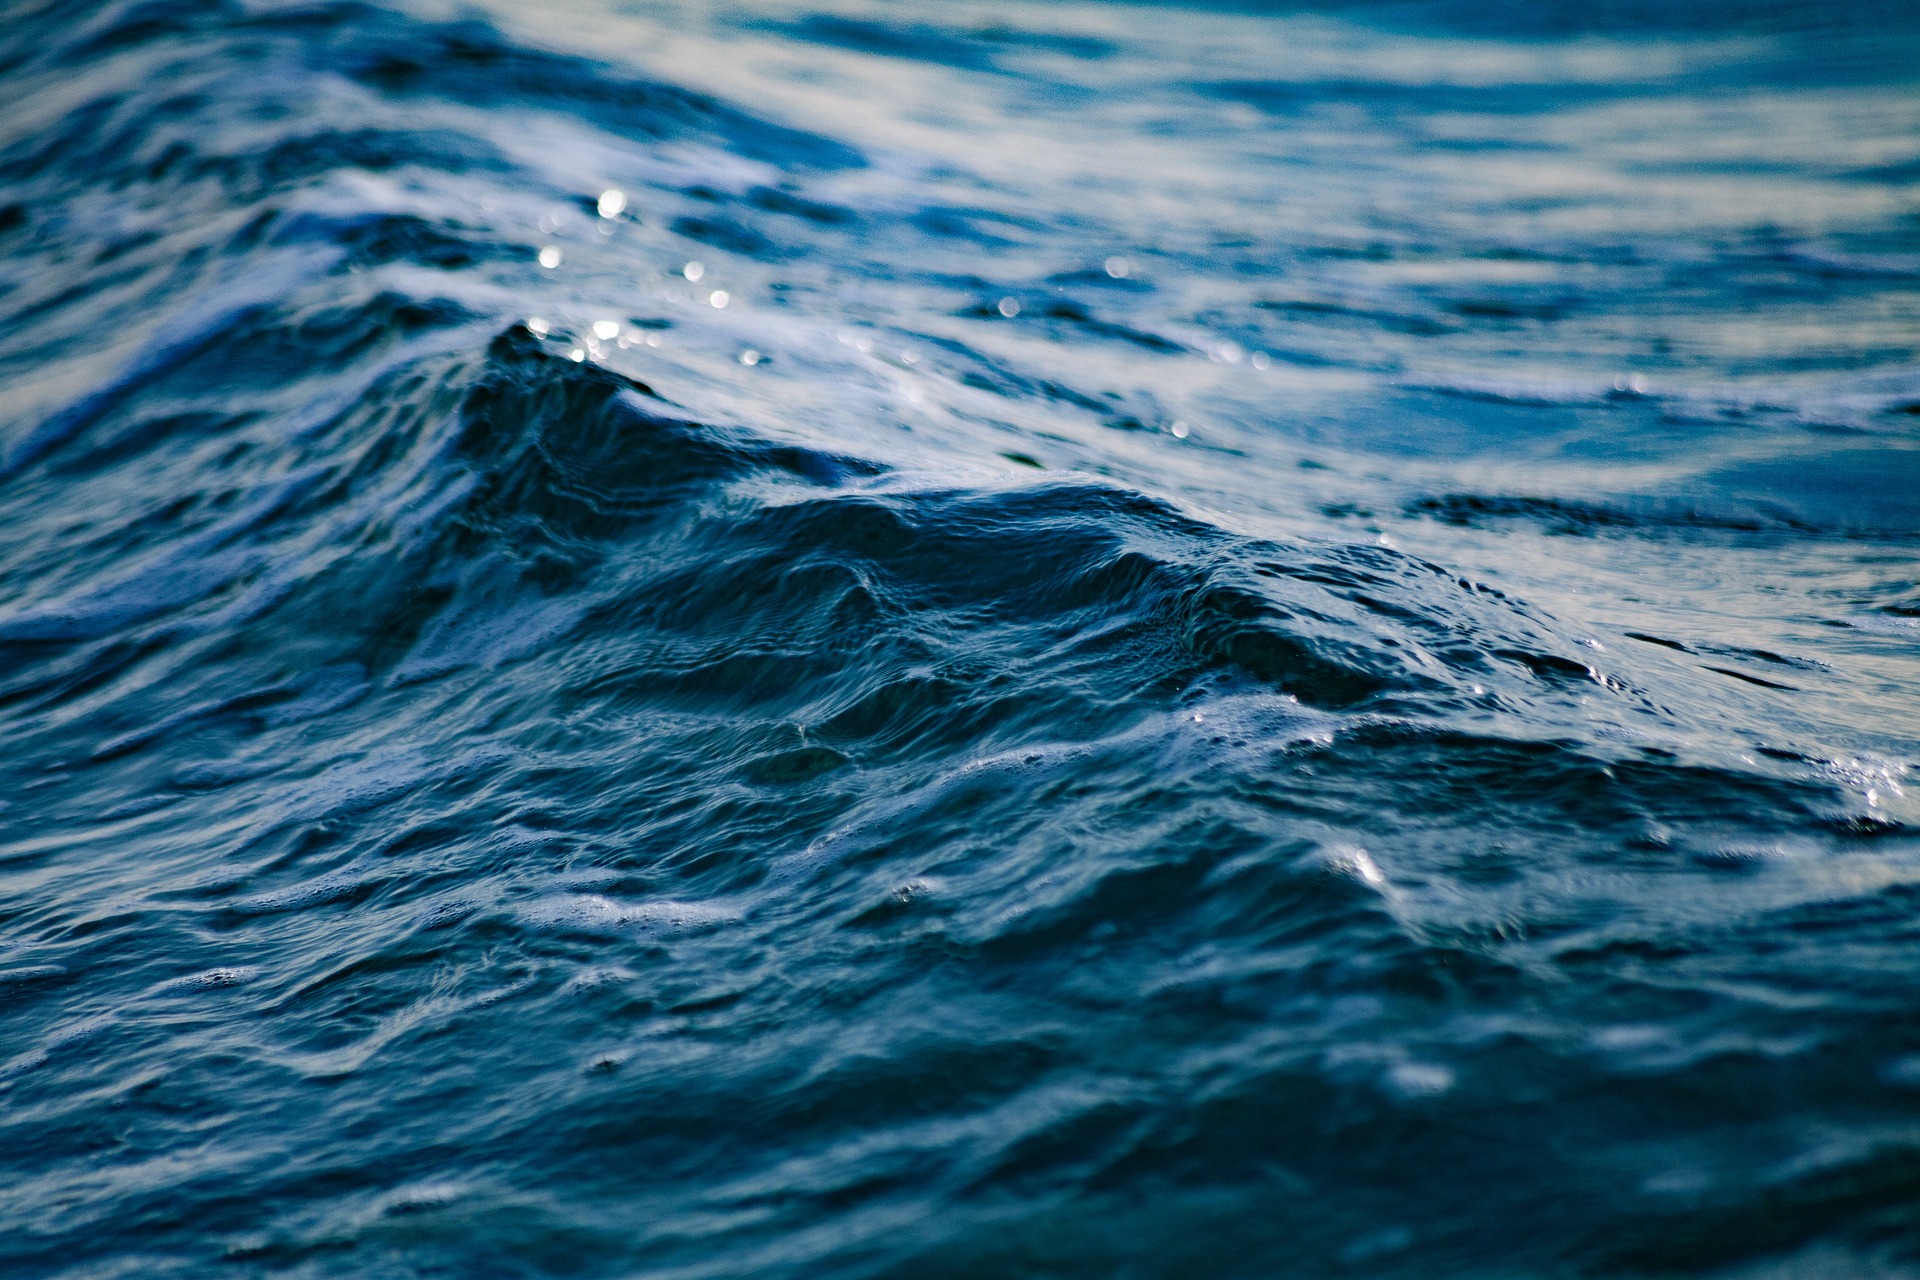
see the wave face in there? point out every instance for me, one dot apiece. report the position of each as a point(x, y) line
point(1115, 640)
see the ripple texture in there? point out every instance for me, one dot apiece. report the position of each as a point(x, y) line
point(803, 641)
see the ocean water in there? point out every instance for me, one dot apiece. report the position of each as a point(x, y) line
point(652, 638)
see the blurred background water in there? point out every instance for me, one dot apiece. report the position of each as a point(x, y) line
point(900, 639)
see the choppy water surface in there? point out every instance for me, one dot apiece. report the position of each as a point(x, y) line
point(922, 640)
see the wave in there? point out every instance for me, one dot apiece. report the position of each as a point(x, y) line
point(858, 710)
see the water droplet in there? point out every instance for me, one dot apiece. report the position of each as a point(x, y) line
point(1179, 430)
point(550, 256)
point(718, 297)
point(1366, 868)
point(576, 355)
point(653, 339)
point(539, 326)
point(1009, 307)
point(612, 201)
point(749, 357)
point(1260, 360)
point(606, 330)
point(694, 270)
point(1118, 268)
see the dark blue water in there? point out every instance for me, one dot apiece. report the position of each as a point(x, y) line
point(852, 640)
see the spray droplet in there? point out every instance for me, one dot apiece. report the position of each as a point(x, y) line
point(612, 201)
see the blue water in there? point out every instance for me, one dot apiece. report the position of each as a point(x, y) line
point(675, 639)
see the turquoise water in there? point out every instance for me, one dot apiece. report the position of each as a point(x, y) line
point(669, 640)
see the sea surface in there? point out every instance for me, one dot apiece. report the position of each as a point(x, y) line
point(690, 638)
